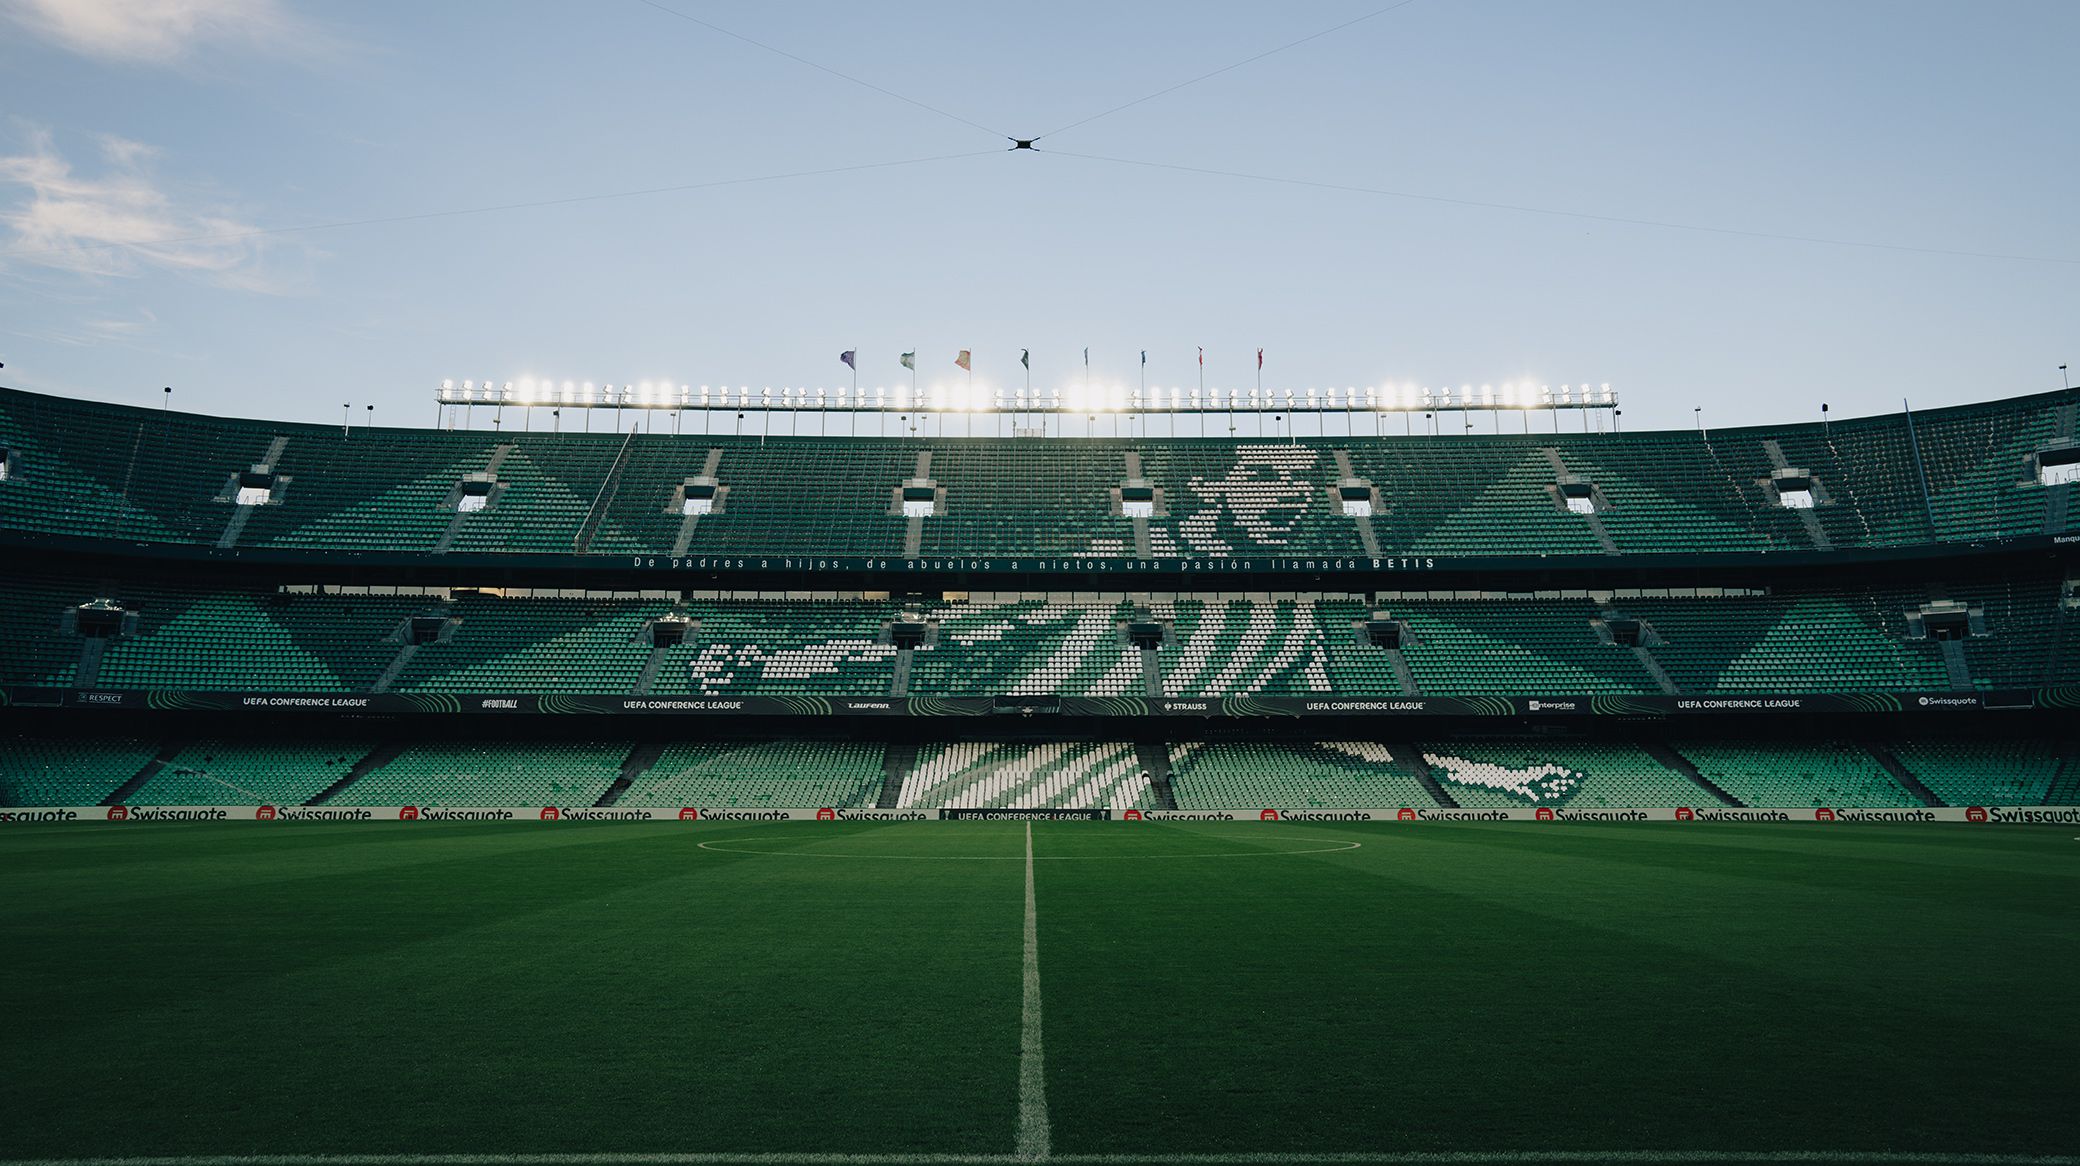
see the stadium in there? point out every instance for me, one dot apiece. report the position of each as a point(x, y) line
point(1681, 757)
point(1075, 607)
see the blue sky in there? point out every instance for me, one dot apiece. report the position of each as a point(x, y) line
point(1948, 127)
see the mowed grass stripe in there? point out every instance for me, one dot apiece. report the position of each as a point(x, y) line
point(1443, 994)
point(1426, 994)
point(636, 995)
point(1408, 1158)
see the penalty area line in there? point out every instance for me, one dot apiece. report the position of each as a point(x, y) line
point(1355, 1158)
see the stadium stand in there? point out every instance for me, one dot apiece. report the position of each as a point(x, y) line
point(1316, 773)
point(146, 476)
point(753, 774)
point(166, 556)
point(485, 774)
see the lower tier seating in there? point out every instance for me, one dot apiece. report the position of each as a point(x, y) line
point(1474, 773)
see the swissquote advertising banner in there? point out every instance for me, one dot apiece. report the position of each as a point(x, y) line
point(1560, 706)
point(695, 815)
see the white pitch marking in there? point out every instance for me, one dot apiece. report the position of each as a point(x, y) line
point(1340, 847)
point(1033, 1134)
point(1357, 1158)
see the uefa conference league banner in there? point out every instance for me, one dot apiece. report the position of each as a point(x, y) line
point(2012, 815)
point(595, 704)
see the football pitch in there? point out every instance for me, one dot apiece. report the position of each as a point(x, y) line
point(943, 992)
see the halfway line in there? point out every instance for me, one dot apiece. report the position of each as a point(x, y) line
point(1360, 1158)
point(1033, 1137)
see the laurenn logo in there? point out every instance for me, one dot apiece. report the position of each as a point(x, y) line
point(1975, 813)
point(1685, 814)
point(1404, 814)
point(1823, 814)
point(551, 814)
point(826, 814)
point(1543, 813)
point(119, 813)
point(1268, 816)
point(408, 814)
point(1132, 815)
point(264, 814)
point(689, 814)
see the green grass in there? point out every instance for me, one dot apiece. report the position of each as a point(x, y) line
point(856, 988)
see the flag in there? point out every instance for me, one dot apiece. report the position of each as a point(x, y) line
point(1025, 358)
point(1260, 360)
point(1202, 356)
point(910, 360)
point(847, 356)
point(962, 360)
point(1144, 357)
point(1086, 358)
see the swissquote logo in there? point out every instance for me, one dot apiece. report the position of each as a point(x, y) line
point(1685, 814)
point(1267, 816)
point(1543, 813)
point(1975, 813)
point(1823, 814)
point(119, 813)
point(689, 814)
point(826, 814)
point(1404, 814)
point(551, 814)
point(1132, 816)
point(408, 814)
point(264, 814)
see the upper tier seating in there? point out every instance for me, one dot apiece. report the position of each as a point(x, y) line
point(139, 475)
point(1824, 639)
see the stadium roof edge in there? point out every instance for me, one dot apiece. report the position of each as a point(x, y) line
point(2045, 399)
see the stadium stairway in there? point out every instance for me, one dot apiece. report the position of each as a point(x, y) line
point(635, 765)
point(897, 760)
point(2065, 788)
point(1412, 755)
point(1155, 761)
point(1681, 764)
point(145, 773)
point(373, 760)
point(589, 529)
point(1901, 774)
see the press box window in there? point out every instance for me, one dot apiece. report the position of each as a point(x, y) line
point(255, 488)
point(2057, 467)
point(1357, 501)
point(907, 632)
point(1137, 501)
point(1383, 633)
point(6, 463)
point(1795, 492)
point(425, 629)
point(667, 633)
point(1145, 634)
point(918, 501)
point(1580, 497)
point(476, 494)
point(700, 499)
point(99, 620)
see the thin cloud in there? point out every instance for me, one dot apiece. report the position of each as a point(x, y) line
point(65, 220)
point(160, 31)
